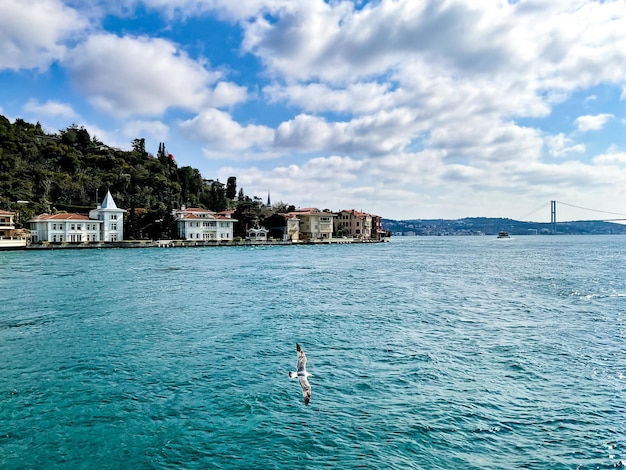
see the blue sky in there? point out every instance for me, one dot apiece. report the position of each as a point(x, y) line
point(402, 108)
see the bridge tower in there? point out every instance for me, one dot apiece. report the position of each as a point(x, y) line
point(553, 216)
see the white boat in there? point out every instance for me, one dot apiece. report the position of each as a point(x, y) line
point(504, 235)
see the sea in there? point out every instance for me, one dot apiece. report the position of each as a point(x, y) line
point(426, 353)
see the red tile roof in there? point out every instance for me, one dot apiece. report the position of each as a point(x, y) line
point(70, 216)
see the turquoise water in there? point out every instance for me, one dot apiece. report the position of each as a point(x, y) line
point(442, 352)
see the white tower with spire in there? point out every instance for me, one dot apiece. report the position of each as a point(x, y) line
point(112, 228)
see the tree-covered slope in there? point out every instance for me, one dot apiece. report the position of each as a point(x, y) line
point(71, 171)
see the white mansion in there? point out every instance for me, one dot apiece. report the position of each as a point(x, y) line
point(203, 225)
point(104, 224)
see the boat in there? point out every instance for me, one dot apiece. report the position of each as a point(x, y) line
point(504, 235)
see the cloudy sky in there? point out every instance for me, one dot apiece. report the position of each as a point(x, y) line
point(403, 108)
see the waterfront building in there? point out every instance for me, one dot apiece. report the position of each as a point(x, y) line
point(293, 228)
point(104, 224)
point(283, 227)
point(10, 237)
point(378, 233)
point(257, 234)
point(7, 224)
point(314, 224)
point(204, 225)
point(354, 223)
point(112, 218)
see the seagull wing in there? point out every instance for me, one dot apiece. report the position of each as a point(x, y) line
point(302, 375)
point(301, 360)
point(306, 389)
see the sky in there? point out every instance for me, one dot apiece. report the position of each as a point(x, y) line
point(407, 109)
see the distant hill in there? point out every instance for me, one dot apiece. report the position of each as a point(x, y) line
point(491, 226)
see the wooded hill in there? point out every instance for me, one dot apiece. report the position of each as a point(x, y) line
point(71, 171)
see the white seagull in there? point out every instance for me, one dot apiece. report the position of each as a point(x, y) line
point(302, 375)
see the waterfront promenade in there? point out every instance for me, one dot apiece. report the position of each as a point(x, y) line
point(189, 243)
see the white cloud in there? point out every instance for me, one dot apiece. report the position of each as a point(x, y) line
point(227, 94)
point(592, 122)
point(239, 10)
point(50, 108)
point(611, 158)
point(485, 141)
point(34, 33)
point(356, 98)
point(374, 134)
point(127, 76)
point(535, 55)
point(559, 145)
point(318, 181)
point(420, 184)
point(156, 131)
point(217, 130)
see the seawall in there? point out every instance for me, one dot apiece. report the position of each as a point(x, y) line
point(186, 243)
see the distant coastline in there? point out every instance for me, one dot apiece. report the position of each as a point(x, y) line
point(472, 226)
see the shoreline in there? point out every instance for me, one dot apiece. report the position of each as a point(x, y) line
point(183, 244)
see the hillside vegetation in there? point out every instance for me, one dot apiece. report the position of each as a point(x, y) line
point(71, 171)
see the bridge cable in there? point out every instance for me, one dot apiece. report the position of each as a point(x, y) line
point(592, 210)
point(533, 211)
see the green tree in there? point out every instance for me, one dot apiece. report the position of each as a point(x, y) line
point(248, 215)
point(231, 187)
point(139, 146)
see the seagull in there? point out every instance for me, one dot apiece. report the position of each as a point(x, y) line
point(302, 375)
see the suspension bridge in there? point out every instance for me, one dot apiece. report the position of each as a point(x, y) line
point(553, 207)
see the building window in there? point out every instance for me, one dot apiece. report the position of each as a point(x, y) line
point(113, 226)
point(72, 227)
